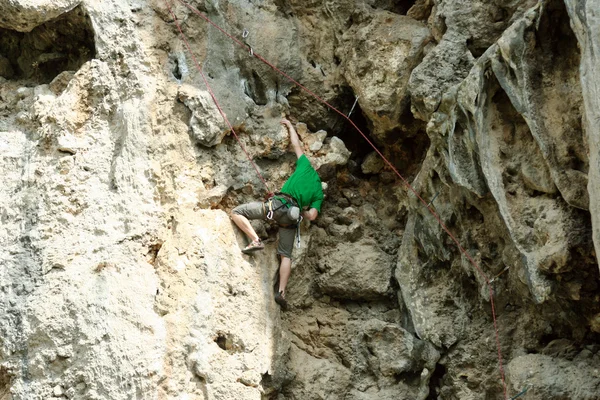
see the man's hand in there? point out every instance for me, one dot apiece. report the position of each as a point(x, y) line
point(286, 122)
point(311, 214)
point(293, 137)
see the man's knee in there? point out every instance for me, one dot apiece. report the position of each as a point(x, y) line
point(249, 211)
point(244, 210)
point(235, 211)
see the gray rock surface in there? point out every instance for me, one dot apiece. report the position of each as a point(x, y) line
point(444, 66)
point(394, 44)
point(356, 271)
point(437, 307)
point(586, 27)
point(547, 377)
point(206, 123)
point(357, 359)
point(372, 164)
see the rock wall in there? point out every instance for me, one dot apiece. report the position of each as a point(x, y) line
point(121, 275)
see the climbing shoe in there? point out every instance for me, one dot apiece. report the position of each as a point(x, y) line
point(281, 301)
point(253, 246)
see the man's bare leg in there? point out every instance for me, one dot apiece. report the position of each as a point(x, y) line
point(285, 269)
point(243, 223)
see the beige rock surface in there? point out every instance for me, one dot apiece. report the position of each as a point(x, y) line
point(210, 349)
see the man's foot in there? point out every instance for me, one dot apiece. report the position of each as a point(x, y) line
point(279, 299)
point(254, 246)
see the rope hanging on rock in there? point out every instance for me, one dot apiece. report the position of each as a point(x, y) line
point(214, 98)
point(408, 185)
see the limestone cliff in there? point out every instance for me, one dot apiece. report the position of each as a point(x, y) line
point(120, 271)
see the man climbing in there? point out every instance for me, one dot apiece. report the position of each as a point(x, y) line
point(302, 189)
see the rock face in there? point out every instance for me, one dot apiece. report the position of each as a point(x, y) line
point(585, 26)
point(60, 44)
point(204, 131)
point(347, 275)
point(212, 355)
point(121, 275)
point(394, 45)
point(24, 15)
point(554, 377)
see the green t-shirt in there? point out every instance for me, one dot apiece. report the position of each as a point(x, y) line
point(305, 185)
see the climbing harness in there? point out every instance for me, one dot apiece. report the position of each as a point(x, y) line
point(321, 100)
point(293, 212)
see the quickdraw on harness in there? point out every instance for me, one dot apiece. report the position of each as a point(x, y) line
point(293, 212)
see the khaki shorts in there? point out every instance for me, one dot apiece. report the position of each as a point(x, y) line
point(256, 210)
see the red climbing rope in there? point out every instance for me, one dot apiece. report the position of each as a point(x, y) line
point(212, 94)
point(431, 210)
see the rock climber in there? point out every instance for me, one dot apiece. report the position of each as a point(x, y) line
point(301, 190)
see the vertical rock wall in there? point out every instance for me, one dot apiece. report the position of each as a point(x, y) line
point(120, 272)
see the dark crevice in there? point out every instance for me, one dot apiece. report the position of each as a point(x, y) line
point(408, 154)
point(153, 250)
point(476, 51)
point(256, 89)
point(399, 7)
point(435, 382)
point(268, 386)
point(221, 341)
point(370, 348)
point(62, 44)
point(546, 339)
point(266, 380)
point(353, 139)
point(228, 342)
point(405, 147)
point(176, 69)
point(408, 377)
point(310, 111)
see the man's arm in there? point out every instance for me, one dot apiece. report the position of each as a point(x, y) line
point(293, 138)
point(311, 214)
